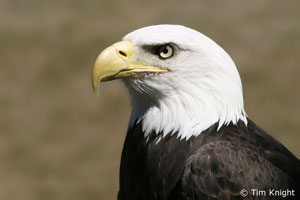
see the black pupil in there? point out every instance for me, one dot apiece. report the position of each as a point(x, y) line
point(165, 50)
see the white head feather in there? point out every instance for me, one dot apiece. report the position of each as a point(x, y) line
point(202, 87)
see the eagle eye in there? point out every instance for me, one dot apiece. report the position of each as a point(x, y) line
point(165, 51)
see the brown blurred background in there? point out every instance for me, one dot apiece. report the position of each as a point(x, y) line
point(58, 141)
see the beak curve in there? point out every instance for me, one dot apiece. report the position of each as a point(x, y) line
point(115, 62)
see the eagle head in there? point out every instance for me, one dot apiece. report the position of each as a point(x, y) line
point(178, 79)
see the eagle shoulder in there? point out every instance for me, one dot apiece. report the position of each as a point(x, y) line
point(221, 169)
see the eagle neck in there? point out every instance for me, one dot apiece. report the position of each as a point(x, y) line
point(184, 113)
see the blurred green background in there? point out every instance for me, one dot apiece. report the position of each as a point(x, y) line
point(58, 141)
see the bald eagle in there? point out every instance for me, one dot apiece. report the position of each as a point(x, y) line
point(189, 136)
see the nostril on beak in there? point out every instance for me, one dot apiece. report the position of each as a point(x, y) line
point(122, 53)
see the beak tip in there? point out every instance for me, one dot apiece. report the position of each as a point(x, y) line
point(96, 88)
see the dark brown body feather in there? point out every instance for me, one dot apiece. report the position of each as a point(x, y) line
point(217, 164)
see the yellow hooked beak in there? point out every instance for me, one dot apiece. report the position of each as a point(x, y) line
point(115, 62)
